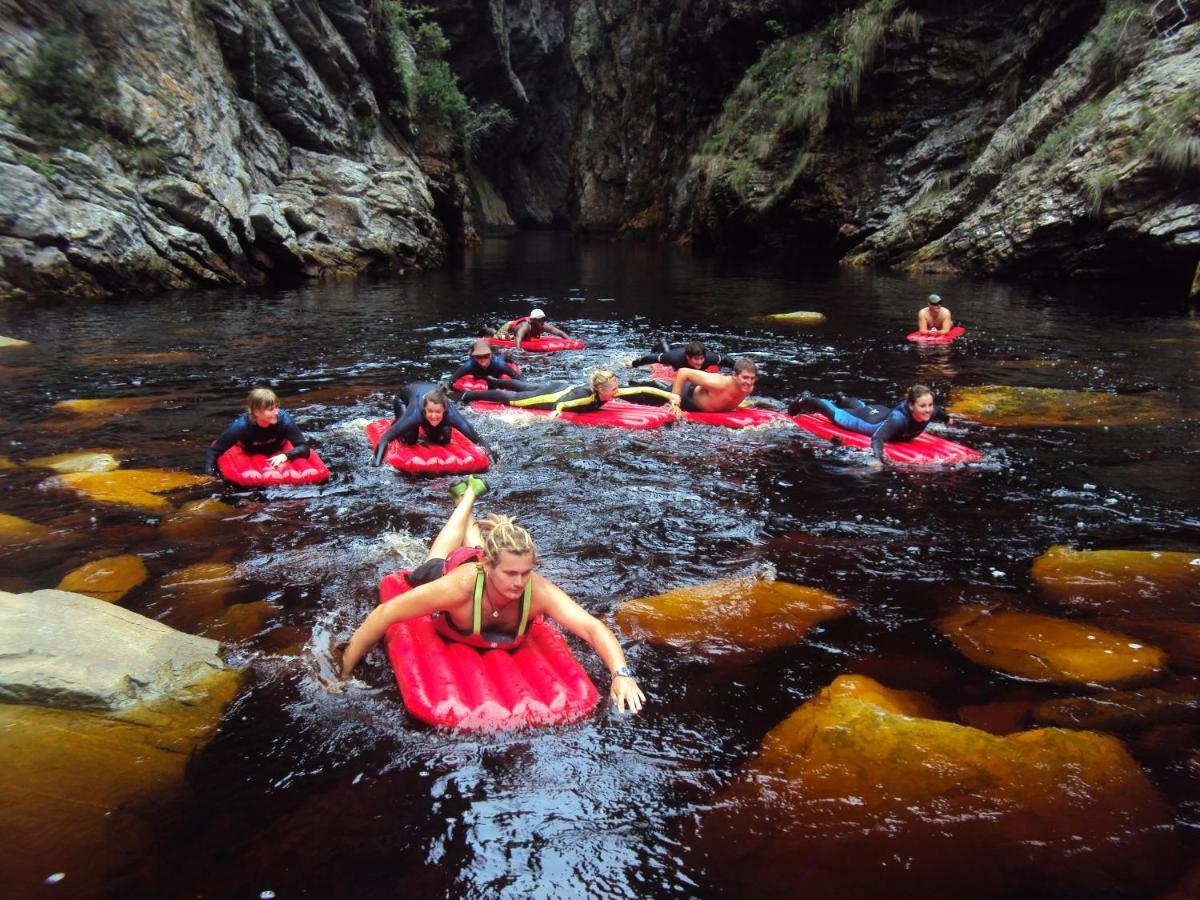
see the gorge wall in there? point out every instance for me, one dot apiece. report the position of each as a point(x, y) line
point(267, 140)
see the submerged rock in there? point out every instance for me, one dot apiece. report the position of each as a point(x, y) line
point(78, 461)
point(999, 405)
point(5, 462)
point(194, 594)
point(128, 487)
point(731, 615)
point(107, 579)
point(160, 358)
point(1120, 711)
point(1135, 583)
point(1180, 640)
point(197, 520)
point(111, 406)
point(798, 318)
point(1043, 648)
point(18, 532)
point(241, 621)
point(855, 790)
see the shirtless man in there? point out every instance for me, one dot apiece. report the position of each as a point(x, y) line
point(714, 392)
point(499, 578)
point(934, 318)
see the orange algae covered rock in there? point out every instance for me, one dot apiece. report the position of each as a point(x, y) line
point(111, 406)
point(731, 615)
point(999, 405)
point(78, 788)
point(196, 520)
point(1180, 640)
point(1043, 648)
point(1135, 583)
point(857, 795)
point(15, 531)
point(241, 621)
point(189, 596)
point(128, 487)
point(107, 579)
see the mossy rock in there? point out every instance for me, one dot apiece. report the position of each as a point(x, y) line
point(77, 461)
point(18, 532)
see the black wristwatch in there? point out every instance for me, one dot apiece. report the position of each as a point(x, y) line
point(623, 671)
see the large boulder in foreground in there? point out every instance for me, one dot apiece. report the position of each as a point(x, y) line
point(734, 615)
point(856, 795)
point(75, 652)
point(80, 786)
point(1043, 648)
point(1156, 584)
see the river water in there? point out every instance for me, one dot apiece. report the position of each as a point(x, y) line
point(303, 793)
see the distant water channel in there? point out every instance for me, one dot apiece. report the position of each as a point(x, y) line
point(306, 794)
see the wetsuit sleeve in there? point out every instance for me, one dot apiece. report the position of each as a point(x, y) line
point(589, 402)
point(940, 414)
point(457, 420)
point(228, 438)
point(675, 358)
point(721, 362)
point(648, 359)
point(292, 433)
point(464, 369)
point(891, 429)
point(646, 395)
point(405, 429)
point(500, 367)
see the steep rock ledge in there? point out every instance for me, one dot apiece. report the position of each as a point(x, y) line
point(243, 157)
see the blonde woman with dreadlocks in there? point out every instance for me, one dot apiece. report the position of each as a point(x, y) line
point(501, 583)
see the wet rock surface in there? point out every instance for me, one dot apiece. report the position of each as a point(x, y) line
point(857, 779)
point(998, 405)
point(730, 616)
point(1130, 583)
point(1043, 648)
point(107, 579)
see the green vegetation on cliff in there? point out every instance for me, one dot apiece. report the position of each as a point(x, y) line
point(789, 96)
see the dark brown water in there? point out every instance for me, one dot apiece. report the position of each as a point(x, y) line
point(306, 794)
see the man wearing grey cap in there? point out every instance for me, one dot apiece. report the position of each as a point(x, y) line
point(934, 318)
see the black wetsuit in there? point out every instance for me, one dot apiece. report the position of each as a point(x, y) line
point(255, 439)
point(562, 395)
point(411, 425)
point(496, 367)
point(676, 359)
point(884, 425)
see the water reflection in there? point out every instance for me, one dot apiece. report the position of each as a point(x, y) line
point(304, 792)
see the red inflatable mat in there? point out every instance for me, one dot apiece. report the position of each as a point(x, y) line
point(471, 383)
point(542, 344)
point(737, 418)
point(918, 337)
point(924, 450)
point(453, 685)
point(253, 470)
point(663, 372)
point(460, 456)
point(614, 414)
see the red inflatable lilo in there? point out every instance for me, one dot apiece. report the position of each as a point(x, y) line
point(743, 417)
point(663, 372)
point(444, 682)
point(542, 344)
point(918, 337)
point(614, 414)
point(253, 470)
point(924, 450)
point(460, 456)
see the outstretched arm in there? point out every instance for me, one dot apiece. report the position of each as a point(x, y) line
point(624, 690)
point(228, 438)
point(557, 332)
point(420, 601)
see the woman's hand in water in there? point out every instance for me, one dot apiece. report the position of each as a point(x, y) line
point(277, 460)
point(626, 695)
point(676, 407)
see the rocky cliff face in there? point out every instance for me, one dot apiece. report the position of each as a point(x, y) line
point(265, 140)
point(241, 156)
point(996, 137)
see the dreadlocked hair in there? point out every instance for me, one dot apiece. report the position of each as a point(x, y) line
point(502, 533)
